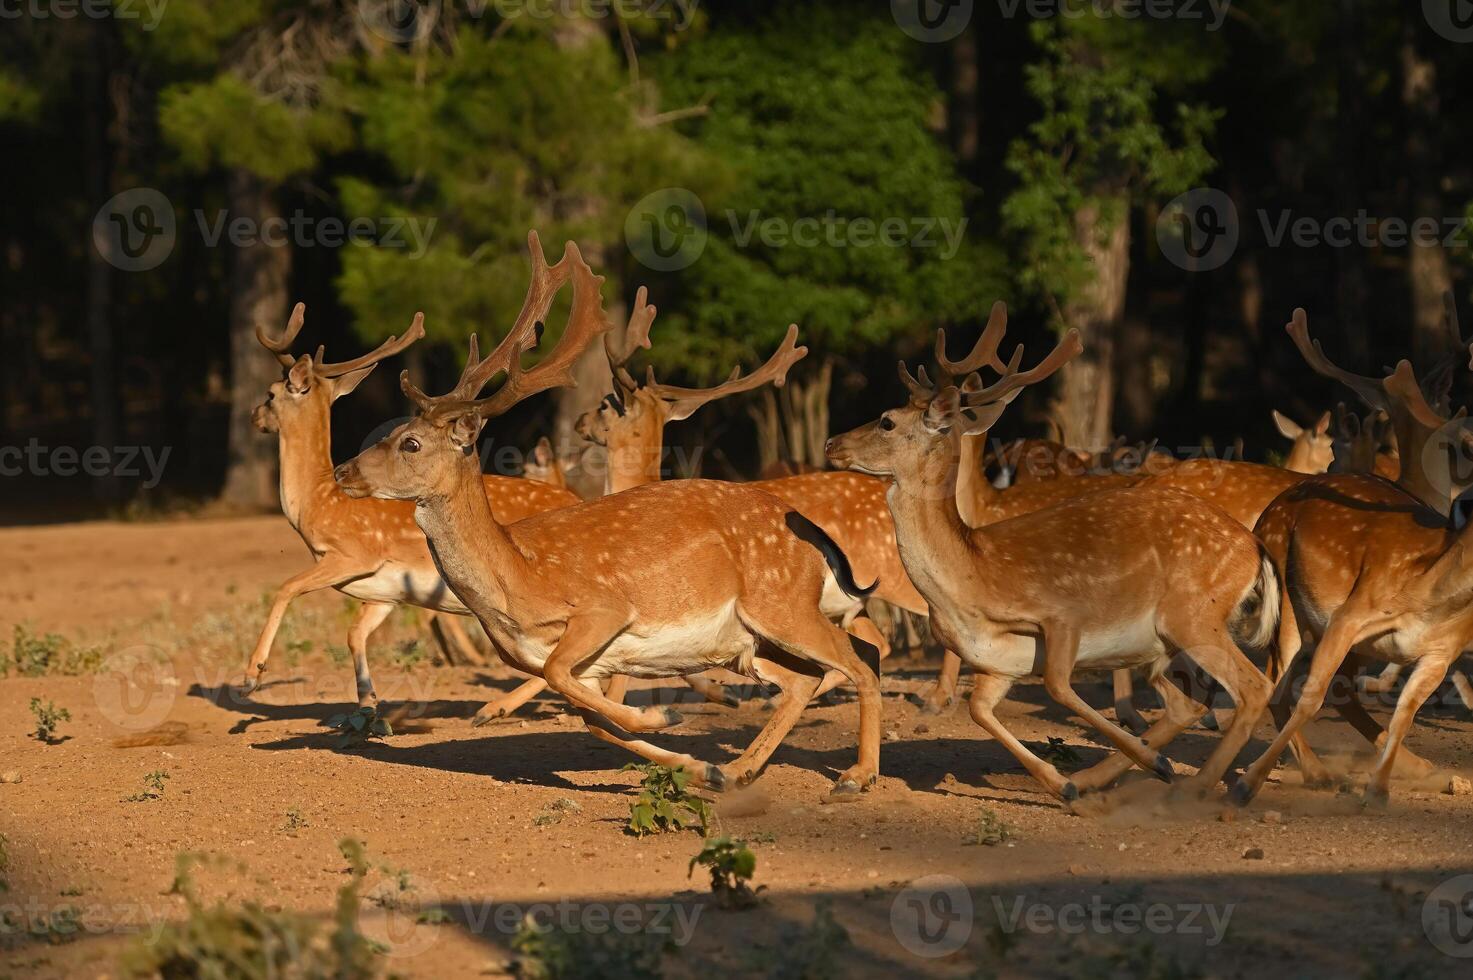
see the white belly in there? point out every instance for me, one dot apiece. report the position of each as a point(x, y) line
point(403, 583)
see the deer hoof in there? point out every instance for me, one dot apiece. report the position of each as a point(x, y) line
point(669, 718)
point(1209, 722)
point(1375, 798)
point(845, 790)
point(716, 779)
point(1164, 771)
point(1241, 792)
point(1069, 793)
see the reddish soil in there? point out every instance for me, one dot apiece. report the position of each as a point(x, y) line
point(478, 818)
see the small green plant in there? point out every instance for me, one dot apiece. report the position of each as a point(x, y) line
point(409, 654)
point(294, 822)
point(545, 952)
point(1059, 752)
point(359, 726)
point(556, 810)
point(37, 655)
point(251, 941)
point(731, 864)
point(991, 831)
point(664, 804)
point(48, 717)
point(153, 788)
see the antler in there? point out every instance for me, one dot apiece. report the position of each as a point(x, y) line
point(1013, 381)
point(384, 351)
point(282, 347)
point(686, 400)
point(1370, 390)
point(586, 321)
point(620, 345)
point(984, 352)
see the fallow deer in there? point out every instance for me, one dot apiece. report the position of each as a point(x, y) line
point(1312, 449)
point(662, 580)
point(544, 466)
point(1051, 591)
point(368, 549)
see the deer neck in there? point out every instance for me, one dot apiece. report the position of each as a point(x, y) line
point(305, 475)
point(1422, 473)
point(635, 460)
point(934, 542)
point(975, 494)
point(1298, 460)
point(472, 552)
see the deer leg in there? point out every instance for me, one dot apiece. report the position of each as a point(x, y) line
point(1345, 627)
point(1061, 647)
point(509, 702)
point(328, 572)
point(370, 616)
point(861, 628)
point(450, 634)
point(701, 772)
point(942, 692)
point(1382, 683)
point(710, 688)
point(798, 690)
point(987, 691)
point(1181, 713)
point(1125, 712)
point(586, 633)
point(1464, 688)
point(1217, 654)
point(1426, 677)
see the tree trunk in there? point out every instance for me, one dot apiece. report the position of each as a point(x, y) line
point(963, 115)
point(1350, 266)
point(258, 295)
point(1086, 390)
point(1428, 273)
point(103, 382)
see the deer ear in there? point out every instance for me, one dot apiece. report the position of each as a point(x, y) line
point(1287, 427)
point(345, 384)
point(941, 411)
point(975, 421)
point(464, 430)
point(542, 452)
point(1323, 425)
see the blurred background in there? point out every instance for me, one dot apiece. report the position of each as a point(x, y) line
point(1170, 177)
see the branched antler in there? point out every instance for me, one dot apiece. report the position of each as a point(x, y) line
point(281, 346)
point(1370, 390)
point(685, 401)
point(620, 345)
point(984, 352)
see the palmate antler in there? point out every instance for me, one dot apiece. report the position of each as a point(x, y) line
point(281, 346)
point(620, 345)
point(586, 321)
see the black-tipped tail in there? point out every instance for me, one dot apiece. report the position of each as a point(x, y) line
point(838, 562)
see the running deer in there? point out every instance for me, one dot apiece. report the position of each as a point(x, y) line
point(368, 549)
point(664, 580)
point(630, 424)
point(1120, 578)
point(850, 508)
point(1312, 449)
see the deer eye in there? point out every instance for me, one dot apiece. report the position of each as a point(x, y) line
point(886, 423)
point(410, 445)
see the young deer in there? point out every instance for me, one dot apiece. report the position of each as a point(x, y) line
point(1313, 449)
point(1371, 572)
point(368, 549)
point(1120, 578)
point(661, 581)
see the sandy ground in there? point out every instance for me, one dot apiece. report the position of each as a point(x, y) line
point(528, 815)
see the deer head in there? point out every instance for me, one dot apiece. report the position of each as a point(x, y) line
point(1314, 447)
point(309, 385)
point(915, 445)
point(434, 453)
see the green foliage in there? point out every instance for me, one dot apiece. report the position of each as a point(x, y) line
point(1101, 143)
point(990, 831)
point(294, 822)
point(549, 953)
point(48, 717)
point(38, 655)
point(819, 110)
point(664, 804)
point(359, 726)
point(153, 788)
point(19, 100)
point(252, 942)
point(731, 864)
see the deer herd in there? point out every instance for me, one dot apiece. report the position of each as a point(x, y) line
point(1269, 587)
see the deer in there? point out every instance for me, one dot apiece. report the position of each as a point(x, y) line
point(1361, 444)
point(663, 580)
point(630, 424)
point(1050, 592)
point(1313, 448)
point(370, 550)
point(544, 466)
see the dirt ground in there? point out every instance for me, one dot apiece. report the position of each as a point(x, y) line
point(527, 816)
